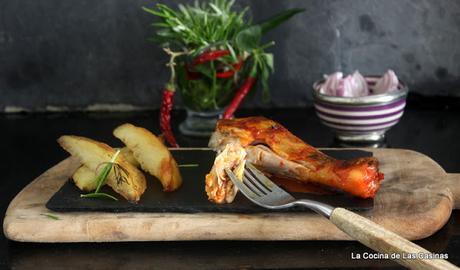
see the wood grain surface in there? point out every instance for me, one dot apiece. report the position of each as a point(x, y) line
point(386, 242)
point(416, 199)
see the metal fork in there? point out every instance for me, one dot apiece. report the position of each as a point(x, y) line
point(263, 192)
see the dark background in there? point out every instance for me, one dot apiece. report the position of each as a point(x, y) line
point(93, 55)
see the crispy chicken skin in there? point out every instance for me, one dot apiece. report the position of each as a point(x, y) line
point(275, 150)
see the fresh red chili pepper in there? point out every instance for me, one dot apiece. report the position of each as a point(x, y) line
point(225, 74)
point(209, 56)
point(165, 116)
point(239, 96)
point(229, 73)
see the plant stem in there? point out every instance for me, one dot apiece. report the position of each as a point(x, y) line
point(172, 65)
point(214, 85)
point(98, 195)
point(105, 172)
point(101, 179)
point(191, 165)
point(53, 217)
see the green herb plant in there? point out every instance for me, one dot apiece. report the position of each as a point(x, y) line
point(193, 30)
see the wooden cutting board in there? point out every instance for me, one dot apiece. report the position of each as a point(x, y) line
point(416, 200)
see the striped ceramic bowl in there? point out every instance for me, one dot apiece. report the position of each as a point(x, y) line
point(360, 118)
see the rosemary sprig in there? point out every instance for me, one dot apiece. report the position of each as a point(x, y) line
point(101, 179)
point(199, 25)
point(98, 195)
point(50, 216)
point(190, 165)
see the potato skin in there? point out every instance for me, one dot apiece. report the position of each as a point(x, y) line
point(93, 153)
point(84, 178)
point(152, 155)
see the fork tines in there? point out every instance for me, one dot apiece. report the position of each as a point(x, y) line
point(253, 184)
point(258, 188)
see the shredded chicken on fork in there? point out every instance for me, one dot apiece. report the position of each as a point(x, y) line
point(219, 187)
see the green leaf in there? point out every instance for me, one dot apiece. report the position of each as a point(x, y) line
point(265, 74)
point(102, 177)
point(160, 24)
point(216, 9)
point(278, 19)
point(240, 16)
point(154, 12)
point(50, 216)
point(269, 62)
point(167, 10)
point(184, 11)
point(232, 51)
point(98, 195)
point(205, 70)
point(191, 165)
point(249, 38)
point(165, 33)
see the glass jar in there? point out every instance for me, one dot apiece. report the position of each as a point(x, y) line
point(205, 97)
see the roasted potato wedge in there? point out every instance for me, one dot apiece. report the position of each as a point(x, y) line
point(84, 177)
point(129, 156)
point(93, 153)
point(151, 154)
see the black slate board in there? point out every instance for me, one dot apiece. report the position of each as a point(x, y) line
point(191, 197)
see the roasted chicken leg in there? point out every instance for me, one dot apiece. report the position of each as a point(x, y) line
point(275, 150)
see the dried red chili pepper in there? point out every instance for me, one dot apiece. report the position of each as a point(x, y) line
point(165, 116)
point(167, 100)
point(209, 56)
point(240, 94)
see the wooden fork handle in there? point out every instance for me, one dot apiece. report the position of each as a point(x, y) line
point(384, 241)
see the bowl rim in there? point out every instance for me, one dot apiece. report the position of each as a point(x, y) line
point(380, 99)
